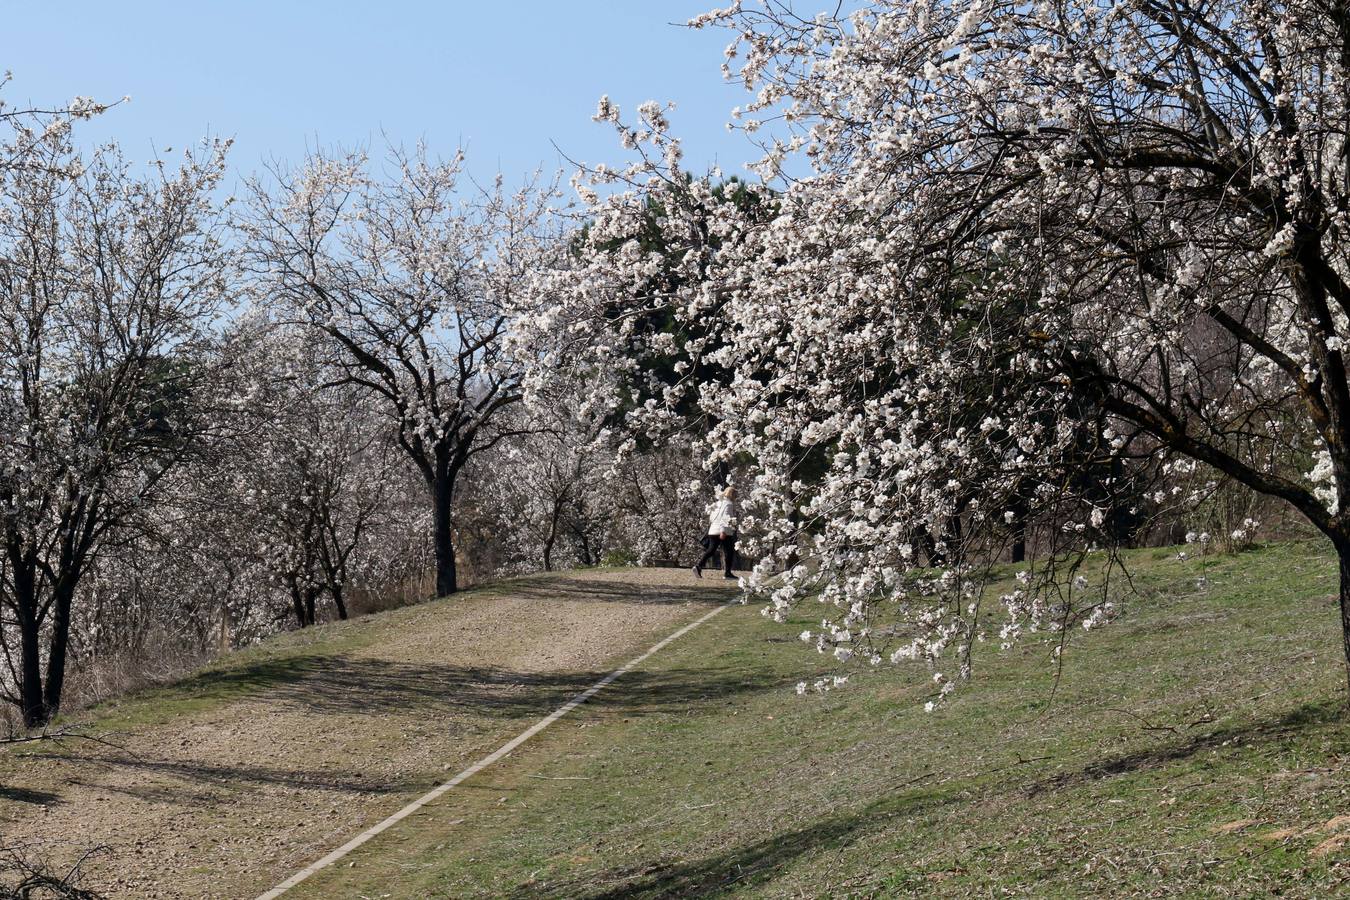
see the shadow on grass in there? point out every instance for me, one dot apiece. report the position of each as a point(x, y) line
point(709, 592)
point(1269, 730)
point(339, 684)
point(746, 865)
point(760, 862)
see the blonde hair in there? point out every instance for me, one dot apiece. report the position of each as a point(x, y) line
point(729, 492)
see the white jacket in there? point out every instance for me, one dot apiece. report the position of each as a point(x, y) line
point(723, 519)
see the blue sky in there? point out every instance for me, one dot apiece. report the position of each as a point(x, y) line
point(504, 79)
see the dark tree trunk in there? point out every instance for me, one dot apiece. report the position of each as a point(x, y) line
point(584, 547)
point(442, 492)
point(40, 699)
point(56, 658)
point(554, 520)
point(950, 550)
point(924, 538)
point(30, 688)
point(1343, 554)
point(954, 538)
point(338, 601)
point(298, 603)
point(30, 641)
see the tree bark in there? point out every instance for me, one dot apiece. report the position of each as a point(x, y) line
point(30, 687)
point(1343, 555)
point(954, 537)
point(925, 541)
point(338, 601)
point(442, 492)
point(584, 547)
point(298, 602)
point(30, 638)
point(1019, 530)
point(56, 658)
point(555, 518)
point(224, 644)
point(550, 540)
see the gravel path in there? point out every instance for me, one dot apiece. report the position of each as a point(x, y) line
point(230, 801)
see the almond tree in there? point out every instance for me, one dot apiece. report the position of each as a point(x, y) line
point(993, 221)
point(552, 485)
point(312, 472)
point(661, 502)
point(111, 285)
point(416, 283)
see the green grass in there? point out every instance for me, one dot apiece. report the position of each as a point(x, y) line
point(1194, 747)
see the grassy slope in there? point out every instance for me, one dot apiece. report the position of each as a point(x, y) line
point(1193, 747)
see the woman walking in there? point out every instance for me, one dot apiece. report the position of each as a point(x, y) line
point(721, 534)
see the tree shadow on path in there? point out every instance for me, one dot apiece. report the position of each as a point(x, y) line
point(228, 775)
point(441, 695)
point(582, 589)
point(374, 687)
point(25, 795)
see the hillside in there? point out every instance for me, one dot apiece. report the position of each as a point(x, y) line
point(1194, 747)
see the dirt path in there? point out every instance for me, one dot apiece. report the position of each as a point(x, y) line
point(229, 801)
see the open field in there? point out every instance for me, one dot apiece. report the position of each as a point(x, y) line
point(1194, 747)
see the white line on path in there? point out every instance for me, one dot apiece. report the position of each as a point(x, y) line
point(483, 763)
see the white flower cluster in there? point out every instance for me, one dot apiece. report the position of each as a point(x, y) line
point(984, 256)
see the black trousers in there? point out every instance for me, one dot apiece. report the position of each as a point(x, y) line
point(728, 547)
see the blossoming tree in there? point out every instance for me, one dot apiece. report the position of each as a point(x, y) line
point(549, 489)
point(995, 222)
point(416, 282)
point(312, 472)
point(111, 284)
